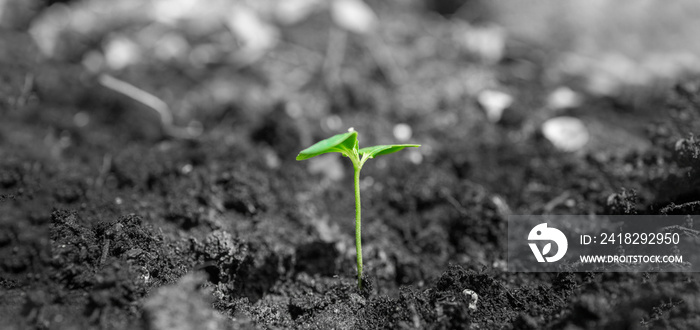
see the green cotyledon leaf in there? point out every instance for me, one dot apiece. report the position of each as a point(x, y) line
point(343, 143)
point(381, 150)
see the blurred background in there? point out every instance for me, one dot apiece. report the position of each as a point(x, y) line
point(315, 59)
point(480, 84)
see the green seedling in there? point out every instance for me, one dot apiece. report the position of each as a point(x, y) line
point(348, 145)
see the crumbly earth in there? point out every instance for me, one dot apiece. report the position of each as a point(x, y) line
point(112, 223)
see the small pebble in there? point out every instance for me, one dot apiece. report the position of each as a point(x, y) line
point(473, 298)
point(294, 110)
point(294, 11)
point(354, 16)
point(563, 98)
point(494, 103)
point(366, 182)
point(403, 132)
point(121, 52)
point(566, 133)
point(333, 123)
point(488, 42)
point(272, 160)
point(415, 156)
point(81, 119)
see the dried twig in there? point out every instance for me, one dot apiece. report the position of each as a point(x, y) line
point(551, 205)
point(139, 95)
point(147, 99)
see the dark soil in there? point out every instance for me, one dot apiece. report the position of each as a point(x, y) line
point(114, 224)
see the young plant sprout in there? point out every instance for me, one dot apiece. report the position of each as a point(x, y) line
point(348, 145)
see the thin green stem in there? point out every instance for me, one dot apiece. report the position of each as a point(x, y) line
point(358, 226)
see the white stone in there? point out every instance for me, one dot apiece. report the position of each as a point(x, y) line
point(566, 133)
point(494, 103)
point(473, 298)
point(354, 15)
point(403, 132)
point(563, 98)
